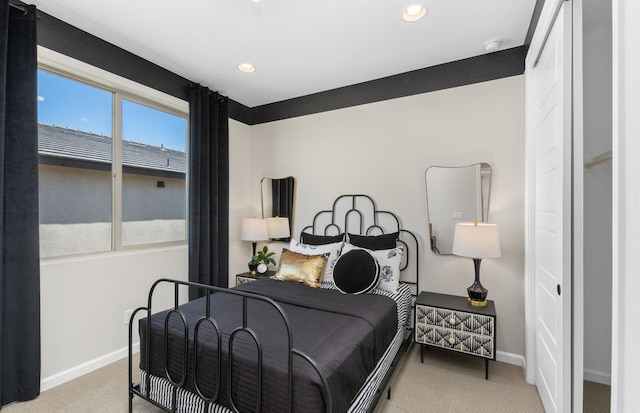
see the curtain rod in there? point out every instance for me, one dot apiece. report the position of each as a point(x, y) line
point(599, 159)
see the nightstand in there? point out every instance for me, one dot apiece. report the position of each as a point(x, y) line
point(246, 277)
point(450, 322)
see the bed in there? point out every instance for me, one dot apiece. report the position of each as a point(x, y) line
point(278, 346)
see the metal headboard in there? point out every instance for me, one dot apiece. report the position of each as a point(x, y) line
point(358, 214)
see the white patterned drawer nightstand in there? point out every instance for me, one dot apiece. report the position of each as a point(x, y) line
point(450, 322)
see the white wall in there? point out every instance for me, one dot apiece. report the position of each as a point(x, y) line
point(383, 149)
point(597, 190)
point(625, 380)
point(83, 302)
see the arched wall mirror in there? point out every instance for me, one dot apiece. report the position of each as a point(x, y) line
point(278, 198)
point(455, 194)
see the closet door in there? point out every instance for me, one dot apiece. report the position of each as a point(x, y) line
point(548, 94)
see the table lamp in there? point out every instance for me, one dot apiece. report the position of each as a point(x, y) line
point(476, 240)
point(278, 227)
point(254, 230)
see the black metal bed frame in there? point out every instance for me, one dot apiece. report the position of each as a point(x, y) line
point(177, 383)
point(134, 389)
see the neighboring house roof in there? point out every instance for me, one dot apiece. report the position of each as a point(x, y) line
point(68, 145)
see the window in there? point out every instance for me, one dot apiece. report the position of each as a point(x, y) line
point(153, 175)
point(112, 167)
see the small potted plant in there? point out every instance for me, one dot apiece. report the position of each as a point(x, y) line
point(260, 261)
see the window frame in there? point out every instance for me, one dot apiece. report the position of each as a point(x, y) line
point(121, 88)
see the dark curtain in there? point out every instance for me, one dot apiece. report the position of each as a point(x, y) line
point(282, 192)
point(208, 189)
point(19, 241)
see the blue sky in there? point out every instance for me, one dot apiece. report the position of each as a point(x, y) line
point(75, 105)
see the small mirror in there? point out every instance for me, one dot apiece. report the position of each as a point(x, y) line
point(277, 199)
point(455, 194)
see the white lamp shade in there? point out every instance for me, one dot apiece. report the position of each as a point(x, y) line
point(254, 229)
point(278, 227)
point(476, 240)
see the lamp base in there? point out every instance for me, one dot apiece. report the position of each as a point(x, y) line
point(477, 303)
point(477, 293)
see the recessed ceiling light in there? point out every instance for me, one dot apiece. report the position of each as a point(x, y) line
point(414, 13)
point(246, 67)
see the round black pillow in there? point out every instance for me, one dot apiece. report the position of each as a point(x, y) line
point(356, 272)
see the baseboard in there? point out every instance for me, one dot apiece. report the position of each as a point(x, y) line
point(518, 360)
point(84, 368)
point(597, 376)
point(510, 358)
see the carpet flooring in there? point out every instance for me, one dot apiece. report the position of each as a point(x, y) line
point(449, 382)
point(446, 382)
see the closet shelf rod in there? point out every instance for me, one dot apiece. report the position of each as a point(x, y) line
point(599, 159)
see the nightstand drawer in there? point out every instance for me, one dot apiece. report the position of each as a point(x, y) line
point(469, 343)
point(451, 322)
point(455, 320)
point(247, 277)
point(243, 280)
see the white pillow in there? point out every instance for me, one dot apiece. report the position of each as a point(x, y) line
point(332, 249)
point(389, 262)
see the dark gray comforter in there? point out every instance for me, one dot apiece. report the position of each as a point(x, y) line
point(345, 334)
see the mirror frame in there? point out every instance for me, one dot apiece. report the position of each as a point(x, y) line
point(485, 193)
point(293, 203)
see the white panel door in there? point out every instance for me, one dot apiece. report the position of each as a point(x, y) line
point(549, 102)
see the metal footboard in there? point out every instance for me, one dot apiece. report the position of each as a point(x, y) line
point(178, 382)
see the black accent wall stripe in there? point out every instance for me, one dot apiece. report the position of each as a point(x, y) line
point(477, 69)
point(239, 112)
point(64, 38)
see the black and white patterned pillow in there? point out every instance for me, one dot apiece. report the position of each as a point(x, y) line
point(389, 261)
point(356, 272)
point(332, 249)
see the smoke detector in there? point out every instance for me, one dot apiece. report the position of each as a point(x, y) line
point(492, 45)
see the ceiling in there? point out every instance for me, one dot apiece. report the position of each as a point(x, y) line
point(299, 47)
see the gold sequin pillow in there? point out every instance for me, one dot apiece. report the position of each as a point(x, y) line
point(301, 268)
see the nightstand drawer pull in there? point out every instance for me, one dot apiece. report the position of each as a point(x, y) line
point(452, 321)
point(452, 340)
